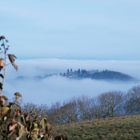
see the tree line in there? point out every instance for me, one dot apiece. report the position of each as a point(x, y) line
point(108, 104)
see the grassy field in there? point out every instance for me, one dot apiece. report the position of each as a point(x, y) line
point(117, 128)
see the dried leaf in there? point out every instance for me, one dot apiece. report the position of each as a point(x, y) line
point(12, 58)
point(2, 76)
point(15, 66)
point(2, 37)
point(2, 44)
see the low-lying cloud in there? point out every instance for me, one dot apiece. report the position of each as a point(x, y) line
point(58, 89)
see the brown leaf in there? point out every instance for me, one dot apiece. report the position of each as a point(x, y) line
point(15, 66)
point(12, 58)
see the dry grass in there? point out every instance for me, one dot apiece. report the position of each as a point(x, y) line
point(117, 128)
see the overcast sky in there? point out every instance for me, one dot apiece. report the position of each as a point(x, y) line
point(74, 29)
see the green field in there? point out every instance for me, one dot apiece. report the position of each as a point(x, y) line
point(117, 128)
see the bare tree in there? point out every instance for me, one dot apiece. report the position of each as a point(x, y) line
point(132, 104)
point(110, 103)
point(84, 107)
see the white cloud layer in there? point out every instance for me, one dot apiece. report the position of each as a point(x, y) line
point(56, 88)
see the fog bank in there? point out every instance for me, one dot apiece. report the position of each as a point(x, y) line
point(58, 89)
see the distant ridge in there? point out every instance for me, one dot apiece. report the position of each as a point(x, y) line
point(97, 75)
point(83, 74)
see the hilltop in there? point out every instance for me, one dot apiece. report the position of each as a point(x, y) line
point(97, 75)
point(117, 128)
point(106, 75)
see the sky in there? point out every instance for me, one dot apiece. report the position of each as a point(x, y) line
point(72, 29)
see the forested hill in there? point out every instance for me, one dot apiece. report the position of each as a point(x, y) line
point(83, 74)
point(97, 75)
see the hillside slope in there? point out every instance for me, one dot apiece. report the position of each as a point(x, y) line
point(118, 128)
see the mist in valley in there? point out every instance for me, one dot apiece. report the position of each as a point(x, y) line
point(55, 88)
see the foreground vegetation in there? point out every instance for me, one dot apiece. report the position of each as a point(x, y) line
point(115, 128)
